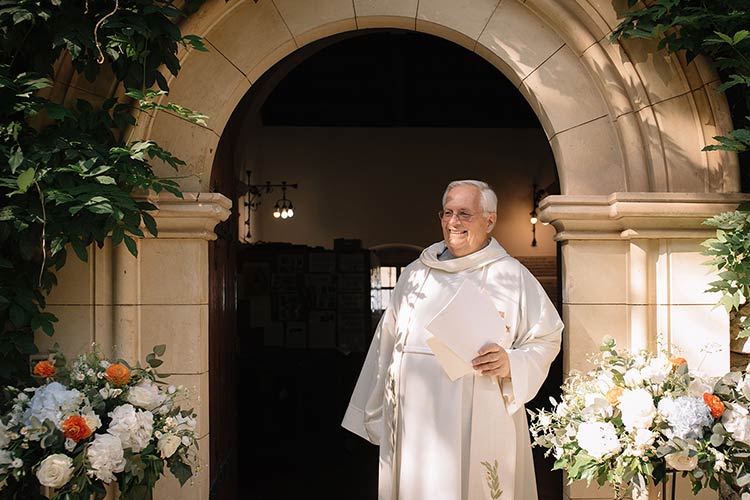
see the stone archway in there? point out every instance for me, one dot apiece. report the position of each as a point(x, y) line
point(626, 127)
point(618, 119)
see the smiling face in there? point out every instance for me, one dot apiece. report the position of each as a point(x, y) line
point(465, 237)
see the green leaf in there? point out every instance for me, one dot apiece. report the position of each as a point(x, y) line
point(105, 179)
point(15, 159)
point(739, 36)
point(26, 179)
point(181, 471)
point(160, 349)
point(131, 245)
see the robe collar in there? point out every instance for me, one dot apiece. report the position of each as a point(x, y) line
point(486, 255)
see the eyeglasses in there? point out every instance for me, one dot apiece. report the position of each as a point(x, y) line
point(463, 216)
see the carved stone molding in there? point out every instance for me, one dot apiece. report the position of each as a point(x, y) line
point(625, 216)
point(194, 217)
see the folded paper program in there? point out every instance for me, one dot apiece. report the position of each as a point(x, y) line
point(467, 323)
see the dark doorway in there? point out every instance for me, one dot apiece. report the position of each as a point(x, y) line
point(281, 397)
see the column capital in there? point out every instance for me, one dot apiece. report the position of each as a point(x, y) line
point(625, 216)
point(193, 217)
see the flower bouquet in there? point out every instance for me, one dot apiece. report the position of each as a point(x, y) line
point(91, 423)
point(636, 417)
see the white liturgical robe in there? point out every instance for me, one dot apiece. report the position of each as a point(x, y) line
point(461, 440)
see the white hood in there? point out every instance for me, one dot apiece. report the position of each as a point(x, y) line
point(486, 255)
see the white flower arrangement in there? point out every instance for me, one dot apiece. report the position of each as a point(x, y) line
point(93, 423)
point(659, 417)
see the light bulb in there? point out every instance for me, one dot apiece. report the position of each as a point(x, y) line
point(284, 214)
point(276, 213)
point(290, 212)
point(534, 220)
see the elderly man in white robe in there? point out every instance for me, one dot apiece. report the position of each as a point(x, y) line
point(466, 439)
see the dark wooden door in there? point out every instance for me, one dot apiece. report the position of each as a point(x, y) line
point(222, 337)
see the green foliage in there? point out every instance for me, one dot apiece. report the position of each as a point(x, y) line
point(717, 29)
point(729, 251)
point(66, 174)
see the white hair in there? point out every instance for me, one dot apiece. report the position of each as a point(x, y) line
point(489, 198)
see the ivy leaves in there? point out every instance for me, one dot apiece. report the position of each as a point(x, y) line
point(66, 175)
point(729, 251)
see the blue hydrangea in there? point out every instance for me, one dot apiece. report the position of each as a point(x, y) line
point(687, 416)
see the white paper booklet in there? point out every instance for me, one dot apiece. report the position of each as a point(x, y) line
point(467, 323)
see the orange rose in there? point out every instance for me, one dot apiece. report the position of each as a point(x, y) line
point(76, 428)
point(44, 369)
point(677, 362)
point(613, 395)
point(118, 374)
point(714, 404)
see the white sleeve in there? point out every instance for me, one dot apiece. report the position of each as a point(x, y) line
point(536, 344)
point(364, 416)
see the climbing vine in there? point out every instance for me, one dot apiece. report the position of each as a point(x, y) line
point(67, 171)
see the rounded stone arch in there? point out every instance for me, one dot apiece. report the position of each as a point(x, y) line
point(619, 118)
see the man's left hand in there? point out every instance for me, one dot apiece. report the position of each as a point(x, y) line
point(492, 361)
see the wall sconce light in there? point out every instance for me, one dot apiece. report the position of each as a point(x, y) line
point(283, 209)
point(537, 194)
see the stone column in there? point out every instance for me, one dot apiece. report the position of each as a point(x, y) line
point(127, 305)
point(632, 269)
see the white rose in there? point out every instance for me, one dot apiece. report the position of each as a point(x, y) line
point(167, 445)
point(598, 439)
point(145, 395)
point(133, 428)
point(680, 460)
point(55, 471)
point(106, 457)
point(633, 377)
point(637, 407)
point(735, 420)
point(657, 370)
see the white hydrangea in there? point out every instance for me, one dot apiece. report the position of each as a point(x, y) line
point(598, 439)
point(687, 416)
point(133, 427)
point(637, 407)
point(54, 402)
point(106, 457)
